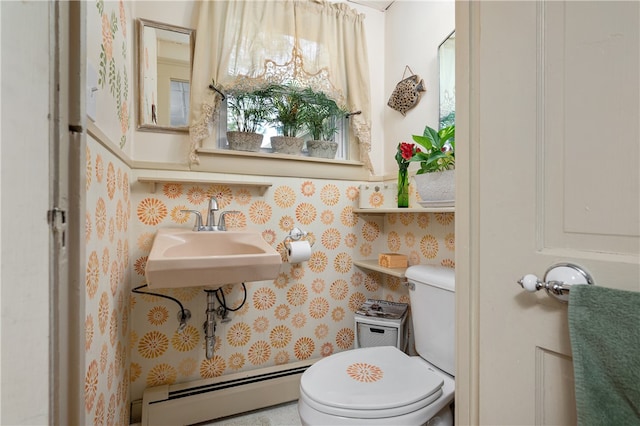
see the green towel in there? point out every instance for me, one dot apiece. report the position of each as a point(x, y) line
point(604, 326)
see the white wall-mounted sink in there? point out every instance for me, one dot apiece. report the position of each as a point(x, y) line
point(184, 258)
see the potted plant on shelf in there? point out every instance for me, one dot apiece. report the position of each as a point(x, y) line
point(248, 113)
point(287, 103)
point(320, 120)
point(435, 180)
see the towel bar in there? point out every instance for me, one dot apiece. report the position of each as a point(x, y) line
point(557, 280)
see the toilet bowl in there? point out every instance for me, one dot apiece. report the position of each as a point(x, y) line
point(384, 386)
point(375, 386)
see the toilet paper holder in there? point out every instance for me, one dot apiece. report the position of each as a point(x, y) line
point(296, 234)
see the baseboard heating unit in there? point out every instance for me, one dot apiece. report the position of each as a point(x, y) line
point(205, 400)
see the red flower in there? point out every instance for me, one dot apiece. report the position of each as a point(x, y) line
point(405, 153)
point(406, 150)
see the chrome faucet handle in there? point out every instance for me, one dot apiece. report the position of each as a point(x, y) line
point(211, 213)
point(222, 226)
point(198, 225)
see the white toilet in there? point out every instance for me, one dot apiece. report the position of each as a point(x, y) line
point(384, 386)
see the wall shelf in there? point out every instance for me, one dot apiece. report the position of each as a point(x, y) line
point(447, 209)
point(153, 181)
point(373, 266)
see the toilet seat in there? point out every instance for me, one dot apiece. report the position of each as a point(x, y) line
point(370, 383)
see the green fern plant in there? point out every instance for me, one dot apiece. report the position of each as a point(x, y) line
point(320, 115)
point(249, 111)
point(287, 104)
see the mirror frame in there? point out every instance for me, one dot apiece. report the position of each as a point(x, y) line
point(142, 23)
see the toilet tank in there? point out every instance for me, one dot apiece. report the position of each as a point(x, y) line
point(432, 296)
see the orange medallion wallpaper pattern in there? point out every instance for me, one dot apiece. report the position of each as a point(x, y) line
point(307, 311)
point(107, 311)
point(132, 340)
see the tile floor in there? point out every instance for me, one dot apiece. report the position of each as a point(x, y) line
point(278, 415)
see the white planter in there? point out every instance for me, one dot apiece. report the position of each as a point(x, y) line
point(287, 145)
point(437, 187)
point(244, 141)
point(322, 149)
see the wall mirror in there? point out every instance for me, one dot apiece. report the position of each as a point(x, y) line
point(165, 57)
point(447, 63)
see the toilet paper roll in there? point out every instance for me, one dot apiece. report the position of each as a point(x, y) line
point(298, 251)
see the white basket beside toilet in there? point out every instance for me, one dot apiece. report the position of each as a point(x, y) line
point(381, 323)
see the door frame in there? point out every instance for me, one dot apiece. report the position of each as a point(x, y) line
point(467, 212)
point(67, 217)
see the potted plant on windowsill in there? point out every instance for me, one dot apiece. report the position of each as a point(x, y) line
point(287, 105)
point(320, 120)
point(435, 180)
point(249, 112)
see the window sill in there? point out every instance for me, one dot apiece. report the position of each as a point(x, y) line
point(266, 164)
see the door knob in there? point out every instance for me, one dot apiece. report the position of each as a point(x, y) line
point(557, 280)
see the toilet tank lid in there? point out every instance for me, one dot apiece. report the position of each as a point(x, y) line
point(438, 276)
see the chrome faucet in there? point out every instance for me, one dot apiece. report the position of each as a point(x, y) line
point(211, 218)
point(211, 215)
point(198, 225)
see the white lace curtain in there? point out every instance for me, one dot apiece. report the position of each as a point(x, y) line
point(244, 44)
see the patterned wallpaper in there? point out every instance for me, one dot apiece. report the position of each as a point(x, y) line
point(110, 43)
point(107, 311)
point(306, 312)
point(108, 216)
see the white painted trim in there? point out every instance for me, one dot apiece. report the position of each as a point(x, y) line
point(158, 408)
point(467, 212)
point(96, 133)
point(232, 162)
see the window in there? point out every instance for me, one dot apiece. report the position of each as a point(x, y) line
point(243, 45)
point(318, 118)
point(179, 100)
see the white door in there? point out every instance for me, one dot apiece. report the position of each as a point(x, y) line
point(25, 315)
point(548, 112)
